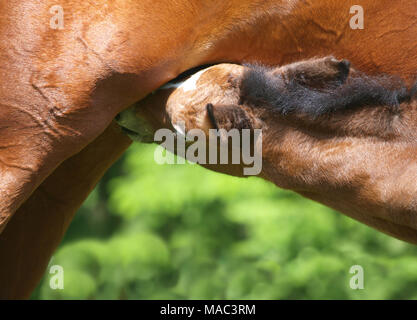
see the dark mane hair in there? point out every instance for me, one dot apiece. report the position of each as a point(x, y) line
point(260, 87)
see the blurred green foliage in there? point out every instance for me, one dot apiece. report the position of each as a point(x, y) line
point(182, 232)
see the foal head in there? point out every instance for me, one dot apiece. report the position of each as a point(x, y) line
point(229, 84)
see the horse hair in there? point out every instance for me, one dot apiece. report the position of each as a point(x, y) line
point(260, 88)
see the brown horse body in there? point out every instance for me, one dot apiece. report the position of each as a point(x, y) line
point(60, 89)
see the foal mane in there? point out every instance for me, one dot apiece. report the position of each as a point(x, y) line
point(260, 88)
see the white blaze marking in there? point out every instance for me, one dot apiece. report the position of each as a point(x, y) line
point(191, 83)
point(187, 85)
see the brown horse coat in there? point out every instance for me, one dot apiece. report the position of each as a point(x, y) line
point(61, 88)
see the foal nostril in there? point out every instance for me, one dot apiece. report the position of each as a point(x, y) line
point(344, 66)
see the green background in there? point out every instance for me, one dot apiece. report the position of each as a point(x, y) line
point(152, 231)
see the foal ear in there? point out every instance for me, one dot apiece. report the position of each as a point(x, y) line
point(324, 72)
point(228, 117)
